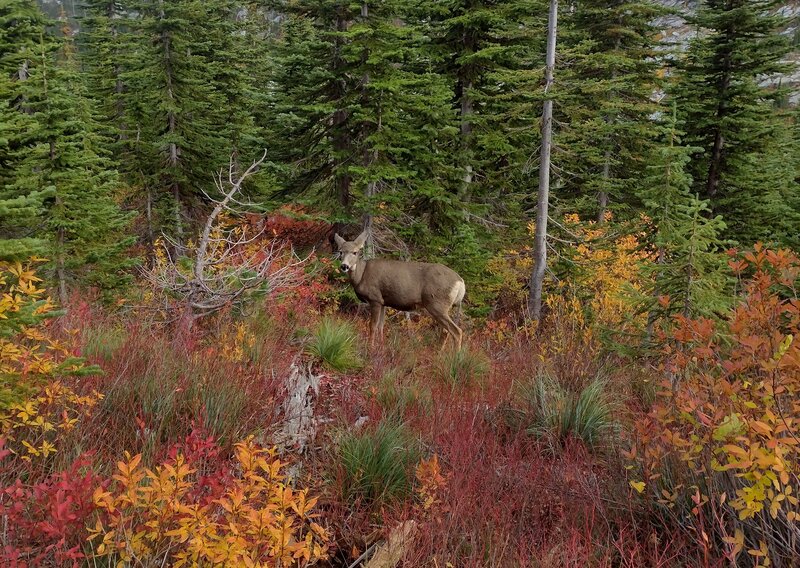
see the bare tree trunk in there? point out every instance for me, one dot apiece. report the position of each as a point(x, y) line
point(540, 237)
point(369, 155)
point(467, 109)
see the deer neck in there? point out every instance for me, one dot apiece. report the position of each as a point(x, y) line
point(357, 272)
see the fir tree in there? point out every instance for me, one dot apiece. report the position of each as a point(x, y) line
point(364, 116)
point(606, 101)
point(178, 125)
point(492, 53)
point(83, 224)
point(23, 27)
point(731, 118)
point(689, 270)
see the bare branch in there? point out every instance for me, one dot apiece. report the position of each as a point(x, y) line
point(223, 272)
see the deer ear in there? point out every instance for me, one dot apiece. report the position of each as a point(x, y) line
point(339, 240)
point(361, 240)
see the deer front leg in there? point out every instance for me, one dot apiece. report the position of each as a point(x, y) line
point(381, 320)
point(374, 321)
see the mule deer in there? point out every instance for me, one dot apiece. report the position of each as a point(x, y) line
point(403, 286)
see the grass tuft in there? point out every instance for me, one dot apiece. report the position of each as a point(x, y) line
point(396, 396)
point(377, 465)
point(463, 368)
point(550, 411)
point(334, 343)
point(102, 342)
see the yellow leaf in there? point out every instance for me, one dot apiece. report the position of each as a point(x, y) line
point(637, 485)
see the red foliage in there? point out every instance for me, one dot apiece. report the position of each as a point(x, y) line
point(46, 522)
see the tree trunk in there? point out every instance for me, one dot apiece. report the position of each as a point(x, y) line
point(370, 155)
point(602, 197)
point(174, 151)
point(342, 141)
point(715, 163)
point(540, 237)
point(467, 109)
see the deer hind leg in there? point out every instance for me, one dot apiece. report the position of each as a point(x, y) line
point(449, 327)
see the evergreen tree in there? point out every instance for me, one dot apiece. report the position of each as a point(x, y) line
point(20, 51)
point(83, 224)
point(606, 101)
point(492, 53)
point(363, 119)
point(731, 118)
point(179, 125)
point(689, 269)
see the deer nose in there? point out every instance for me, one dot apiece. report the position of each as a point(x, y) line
point(344, 268)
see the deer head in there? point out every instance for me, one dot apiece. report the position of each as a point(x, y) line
point(350, 251)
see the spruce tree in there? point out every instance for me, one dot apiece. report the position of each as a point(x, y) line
point(83, 224)
point(732, 119)
point(23, 27)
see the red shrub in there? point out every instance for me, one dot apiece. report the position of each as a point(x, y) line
point(46, 522)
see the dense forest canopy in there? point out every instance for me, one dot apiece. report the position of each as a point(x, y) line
point(416, 119)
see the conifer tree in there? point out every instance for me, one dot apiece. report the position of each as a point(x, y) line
point(492, 53)
point(179, 125)
point(731, 118)
point(689, 270)
point(20, 51)
point(83, 224)
point(607, 103)
point(363, 117)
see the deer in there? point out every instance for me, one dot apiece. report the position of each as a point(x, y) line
point(402, 285)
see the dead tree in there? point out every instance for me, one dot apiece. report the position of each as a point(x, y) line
point(222, 271)
point(540, 238)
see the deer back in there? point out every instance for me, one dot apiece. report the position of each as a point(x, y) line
point(406, 285)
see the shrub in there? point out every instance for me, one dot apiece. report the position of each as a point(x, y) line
point(377, 466)
point(45, 522)
point(334, 344)
point(557, 414)
point(151, 517)
point(29, 357)
point(463, 368)
point(727, 413)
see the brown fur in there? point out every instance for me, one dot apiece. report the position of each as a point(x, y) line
point(403, 286)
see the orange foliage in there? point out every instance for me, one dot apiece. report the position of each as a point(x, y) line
point(730, 411)
point(149, 516)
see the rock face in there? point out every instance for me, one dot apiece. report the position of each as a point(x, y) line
point(676, 34)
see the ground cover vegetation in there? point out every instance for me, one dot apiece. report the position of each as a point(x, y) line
point(184, 373)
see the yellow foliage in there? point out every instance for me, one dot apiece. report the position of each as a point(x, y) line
point(258, 521)
point(592, 295)
point(32, 428)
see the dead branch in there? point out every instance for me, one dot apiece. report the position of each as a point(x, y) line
point(221, 272)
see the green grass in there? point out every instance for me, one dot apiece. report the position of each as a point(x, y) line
point(377, 464)
point(334, 344)
point(396, 396)
point(462, 368)
point(102, 342)
point(554, 413)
